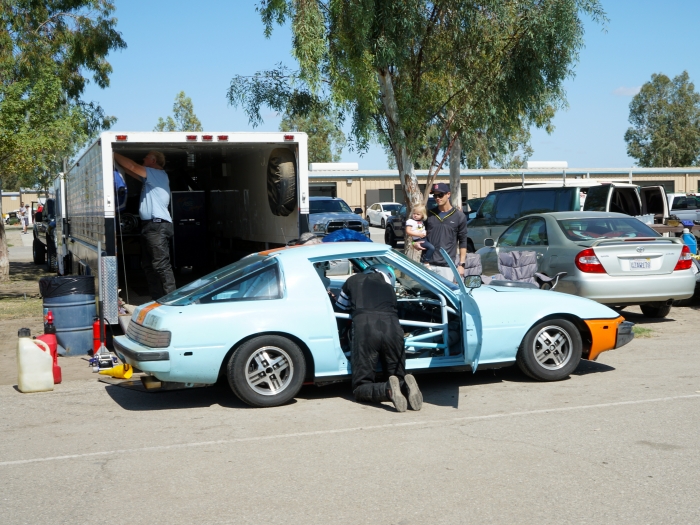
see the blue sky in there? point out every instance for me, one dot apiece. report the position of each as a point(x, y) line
point(199, 46)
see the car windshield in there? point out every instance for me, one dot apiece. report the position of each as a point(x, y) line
point(420, 269)
point(586, 229)
point(329, 206)
point(192, 292)
point(391, 207)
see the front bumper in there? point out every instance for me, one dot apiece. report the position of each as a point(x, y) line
point(608, 334)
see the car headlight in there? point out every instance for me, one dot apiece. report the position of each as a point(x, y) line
point(318, 227)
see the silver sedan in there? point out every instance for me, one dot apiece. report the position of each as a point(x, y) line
point(611, 258)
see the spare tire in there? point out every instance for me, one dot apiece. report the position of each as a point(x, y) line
point(282, 182)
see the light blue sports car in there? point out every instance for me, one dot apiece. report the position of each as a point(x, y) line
point(267, 322)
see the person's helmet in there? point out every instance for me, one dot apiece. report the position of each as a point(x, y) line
point(385, 270)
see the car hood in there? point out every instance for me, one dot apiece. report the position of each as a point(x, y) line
point(334, 216)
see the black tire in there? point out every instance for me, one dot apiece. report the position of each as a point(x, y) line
point(383, 224)
point(655, 312)
point(470, 246)
point(38, 252)
point(390, 236)
point(556, 362)
point(287, 369)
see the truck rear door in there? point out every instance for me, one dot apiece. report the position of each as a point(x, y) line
point(654, 201)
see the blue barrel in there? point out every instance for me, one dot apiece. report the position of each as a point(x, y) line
point(690, 241)
point(71, 299)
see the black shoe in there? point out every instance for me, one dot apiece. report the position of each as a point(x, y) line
point(393, 392)
point(415, 398)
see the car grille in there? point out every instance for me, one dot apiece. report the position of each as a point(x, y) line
point(148, 336)
point(339, 225)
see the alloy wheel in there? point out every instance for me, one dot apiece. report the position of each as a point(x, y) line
point(269, 370)
point(552, 347)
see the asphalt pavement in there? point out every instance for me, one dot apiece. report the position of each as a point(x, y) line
point(615, 443)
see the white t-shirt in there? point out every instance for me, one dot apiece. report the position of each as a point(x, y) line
point(417, 226)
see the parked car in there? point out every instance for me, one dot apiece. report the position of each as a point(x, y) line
point(685, 206)
point(11, 218)
point(611, 258)
point(266, 322)
point(501, 207)
point(396, 224)
point(329, 214)
point(377, 213)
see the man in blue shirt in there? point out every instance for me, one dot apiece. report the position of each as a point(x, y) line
point(156, 223)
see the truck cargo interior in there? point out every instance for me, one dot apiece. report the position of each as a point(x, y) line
point(220, 207)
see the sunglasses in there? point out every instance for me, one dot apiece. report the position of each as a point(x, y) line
point(438, 195)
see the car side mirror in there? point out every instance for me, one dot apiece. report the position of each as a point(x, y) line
point(489, 242)
point(358, 211)
point(472, 281)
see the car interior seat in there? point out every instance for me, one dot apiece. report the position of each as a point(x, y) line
point(521, 267)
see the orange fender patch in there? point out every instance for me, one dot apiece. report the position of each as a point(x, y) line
point(603, 335)
point(142, 313)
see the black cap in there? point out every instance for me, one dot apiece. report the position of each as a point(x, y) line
point(24, 332)
point(441, 187)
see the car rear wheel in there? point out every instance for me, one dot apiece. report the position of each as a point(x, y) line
point(383, 224)
point(390, 236)
point(550, 351)
point(655, 312)
point(38, 252)
point(266, 371)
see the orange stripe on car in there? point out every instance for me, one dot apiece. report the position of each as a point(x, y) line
point(603, 335)
point(142, 313)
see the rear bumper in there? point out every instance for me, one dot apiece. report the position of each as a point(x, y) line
point(143, 358)
point(630, 290)
point(608, 334)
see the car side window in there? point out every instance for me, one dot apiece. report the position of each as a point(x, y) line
point(538, 201)
point(511, 235)
point(535, 233)
point(486, 208)
point(261, 285)
point(508, 207)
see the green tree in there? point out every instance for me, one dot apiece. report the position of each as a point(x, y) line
point(47, 49)
point(665, 118)
point(403, 68)
point(326, 140)
point(183, 118)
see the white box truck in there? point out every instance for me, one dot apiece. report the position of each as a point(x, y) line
point(232, 194)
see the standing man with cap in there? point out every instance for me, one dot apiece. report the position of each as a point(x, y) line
point(156, 223)
point(446, 228)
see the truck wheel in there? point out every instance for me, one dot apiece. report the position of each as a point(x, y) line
point(655, 312)
point(38, 252)
point(550, 351)
point(282, 182)
point(470, 246)
point(266, 371)
point(390, 236)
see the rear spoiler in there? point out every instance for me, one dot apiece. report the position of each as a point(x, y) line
point(619, 240)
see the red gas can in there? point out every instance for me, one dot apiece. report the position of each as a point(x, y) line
point(96, 336)
point(49, 338)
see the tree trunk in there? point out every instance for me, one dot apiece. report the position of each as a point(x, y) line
point(404, 162)
point(4, 254)
point(455, 175)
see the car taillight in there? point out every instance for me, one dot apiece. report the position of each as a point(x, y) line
point(685, 261)
point(587, 262)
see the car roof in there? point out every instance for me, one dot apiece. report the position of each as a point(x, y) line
point(563, 215)
point(328, 249)
point(325, 199)
point(387, 202)
point(576, 183)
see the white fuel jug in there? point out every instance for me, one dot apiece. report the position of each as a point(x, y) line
point(34, 364)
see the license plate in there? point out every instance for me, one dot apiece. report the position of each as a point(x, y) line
point(640, 264)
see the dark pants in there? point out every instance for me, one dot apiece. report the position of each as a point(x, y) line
point(376, 336)
point(428, 252)
point(155, 257)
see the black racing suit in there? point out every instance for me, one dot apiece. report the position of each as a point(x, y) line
point(376, 334)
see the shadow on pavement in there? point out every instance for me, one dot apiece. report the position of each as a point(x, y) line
point(139, 400)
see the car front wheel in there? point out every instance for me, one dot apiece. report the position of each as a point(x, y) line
point(383, 224)
point(390, 236)
point(266, 371)
point(550, 351)
point(38, 252)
